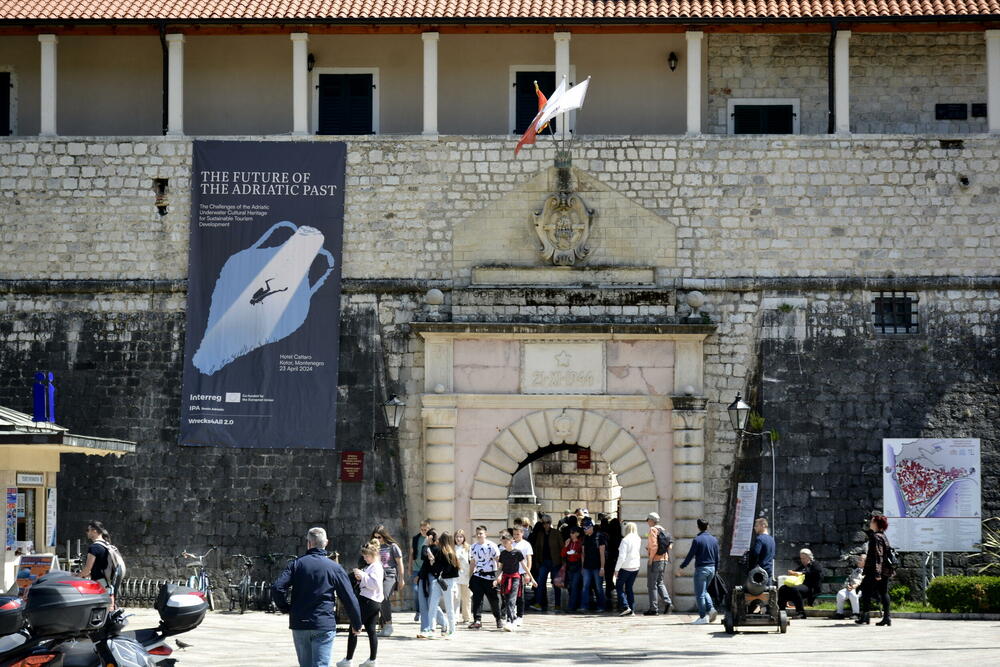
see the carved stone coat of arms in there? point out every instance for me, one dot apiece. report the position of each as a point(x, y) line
point(563, 226)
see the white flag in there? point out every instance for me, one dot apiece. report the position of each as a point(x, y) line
point(563, 102)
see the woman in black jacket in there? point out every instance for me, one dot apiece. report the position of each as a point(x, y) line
point(877, 571)
point(429, 589)
point(808, 589)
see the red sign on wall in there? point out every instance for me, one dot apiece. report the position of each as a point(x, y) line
point(352, 466)
point(583, 459)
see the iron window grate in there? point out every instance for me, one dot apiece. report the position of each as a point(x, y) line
point(895, 313)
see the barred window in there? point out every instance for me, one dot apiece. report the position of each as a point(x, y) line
point(895, 312)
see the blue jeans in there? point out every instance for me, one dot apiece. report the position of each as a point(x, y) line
point(574, 582)
point(313, 647)
point(594, 578)
point(416, 596)
point(626, 596)
point(449, 603)
point(541, 592)
point(703, 575)
point(429, 609)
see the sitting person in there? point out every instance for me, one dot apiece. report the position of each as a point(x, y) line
point(807, 590)
point(850, 590)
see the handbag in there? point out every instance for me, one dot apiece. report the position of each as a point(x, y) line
point(559, 580)
point(442, 583)
point(795, 580)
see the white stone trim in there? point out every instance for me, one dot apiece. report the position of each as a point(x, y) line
point(695, 48)
point(732, 102)
point(175, 84)
point(430, 88)
point(562, 40)
point(993, 79)
point(512, 92)
point(842, 82)
point(48, 86)
point(374, 71)
point(300, 82)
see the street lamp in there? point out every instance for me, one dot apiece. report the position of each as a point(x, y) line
point(739, 415)
point(393, 410)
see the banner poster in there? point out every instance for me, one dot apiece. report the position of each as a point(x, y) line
point(11, 517)
point(263, 309)
point(743, 518)
point(50, 518)
point(932, 493)
point(30, 568)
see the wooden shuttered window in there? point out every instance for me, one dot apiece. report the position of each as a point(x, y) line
point(5, 90)
point(525, 99)
point(763, 119)
point(345, 104)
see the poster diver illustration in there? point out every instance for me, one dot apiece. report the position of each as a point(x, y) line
point(263, 294)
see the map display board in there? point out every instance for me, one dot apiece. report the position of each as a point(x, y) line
point(931, 492)
point(743, 518)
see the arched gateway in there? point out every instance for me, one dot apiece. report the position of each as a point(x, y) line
point(496, 393)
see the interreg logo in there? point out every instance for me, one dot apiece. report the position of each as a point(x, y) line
point(205, 397)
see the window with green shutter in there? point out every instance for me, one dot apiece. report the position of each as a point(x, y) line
point(344, 103)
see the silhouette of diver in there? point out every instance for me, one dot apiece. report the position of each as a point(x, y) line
point(265, 292)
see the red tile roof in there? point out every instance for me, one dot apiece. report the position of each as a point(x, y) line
point(374, 10)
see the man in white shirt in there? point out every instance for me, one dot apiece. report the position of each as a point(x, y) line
point(483, 555)
point(524, 547)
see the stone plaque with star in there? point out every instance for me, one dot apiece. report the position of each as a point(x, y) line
point(563, 368)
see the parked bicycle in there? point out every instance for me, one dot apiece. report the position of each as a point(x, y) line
point(199, 579)
point(273, 562)
point(241, 593)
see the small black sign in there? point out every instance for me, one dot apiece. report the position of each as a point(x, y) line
point(951, 111)
point(979, 110)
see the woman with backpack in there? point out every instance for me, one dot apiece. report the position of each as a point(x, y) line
point(879, 567)
point(101, 562)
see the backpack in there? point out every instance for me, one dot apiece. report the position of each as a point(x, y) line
point(115, 570)
point(662, 543)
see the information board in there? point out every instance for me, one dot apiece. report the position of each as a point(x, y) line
point(743, 518)
point(932, 493)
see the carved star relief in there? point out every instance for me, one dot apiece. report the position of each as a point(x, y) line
point(563, 359)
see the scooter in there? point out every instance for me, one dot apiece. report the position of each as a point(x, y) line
point(65, 623)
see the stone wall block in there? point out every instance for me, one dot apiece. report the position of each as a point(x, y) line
point(638, 510)
point(689, 509)
point(486, 491)
point(689, 473)
point(511, 446)
point(630, 459)
point(439, 491)
point(439, 454)
point(687, 420)
point(645, 491)
point(576, 422)
point(488, 473)
point(638, 475)
point(440, 472)
point(689, 491)
point(441, 511)
point(588, 429)
point(439, 436)
point(524, 436)
point(689, 438)
point(689, 455)
point(480, 510)
point(498, 459)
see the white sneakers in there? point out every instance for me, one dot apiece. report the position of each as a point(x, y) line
point(518, 621)
point(345, 663)
point(368, 663)
point(712, 615)
point(386, 630)
point(701, 620)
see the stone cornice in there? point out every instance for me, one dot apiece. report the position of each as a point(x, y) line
point(587, 330)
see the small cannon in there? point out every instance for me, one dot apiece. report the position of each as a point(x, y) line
point(755, 603)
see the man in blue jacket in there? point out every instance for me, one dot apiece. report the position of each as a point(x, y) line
point(312, 615)
point(705, 552)
point(762, 551)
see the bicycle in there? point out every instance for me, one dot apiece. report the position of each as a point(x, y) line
point(240, 594)
point(199, 579)
point(272, 560)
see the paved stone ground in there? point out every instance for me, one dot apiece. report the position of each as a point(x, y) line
point(229, 640)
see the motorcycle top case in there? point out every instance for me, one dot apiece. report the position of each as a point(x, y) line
point(60, 603)
point(181, 608)
point(11, 614)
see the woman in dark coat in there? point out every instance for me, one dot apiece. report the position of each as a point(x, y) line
point(877, 571)
point(808, 589)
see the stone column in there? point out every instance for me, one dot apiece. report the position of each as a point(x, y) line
point(993, 79)
point(47, 124)
point(439, 465)
point(694, 42)
point(300, 82)
point(842, 82)
point(175, 84)
point(562, 70)
point(688, 421)
point(430, 82)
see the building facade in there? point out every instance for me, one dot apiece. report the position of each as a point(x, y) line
point(800, 208)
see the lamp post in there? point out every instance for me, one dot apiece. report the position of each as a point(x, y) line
point(739, 415)
point(393, 410)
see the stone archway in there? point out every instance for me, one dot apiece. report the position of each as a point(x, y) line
point(488, 501)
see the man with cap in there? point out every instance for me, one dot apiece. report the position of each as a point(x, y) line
point(658, 546)
point(595, 546)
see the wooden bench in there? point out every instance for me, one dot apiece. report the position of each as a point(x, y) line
point(837, 581)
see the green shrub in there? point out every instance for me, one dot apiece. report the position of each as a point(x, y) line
point(899, 595)
point(965, 594)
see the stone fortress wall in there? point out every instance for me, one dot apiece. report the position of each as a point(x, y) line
point(92, 287)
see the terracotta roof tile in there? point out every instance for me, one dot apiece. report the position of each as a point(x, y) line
point(237, 10)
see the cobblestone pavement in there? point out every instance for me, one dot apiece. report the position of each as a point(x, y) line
point(229, 640)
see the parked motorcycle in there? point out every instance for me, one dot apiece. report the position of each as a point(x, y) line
point(65, 622)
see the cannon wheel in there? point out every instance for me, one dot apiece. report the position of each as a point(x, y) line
point(727, 621)
point(783, 622)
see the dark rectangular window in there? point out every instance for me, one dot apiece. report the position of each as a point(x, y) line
point(5, 89)
point(345, 104)
point(895, 313)
point(951, 111)
point(979, 110)
point(763, 119)
point(526, 100)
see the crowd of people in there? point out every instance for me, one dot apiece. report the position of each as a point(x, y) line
point(591, 566)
